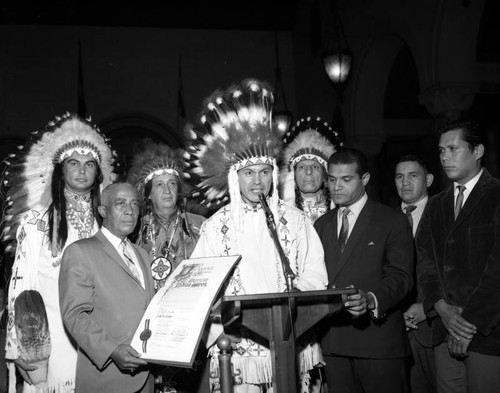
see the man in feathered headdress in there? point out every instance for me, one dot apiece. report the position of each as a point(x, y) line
point(168, 232)
point(303, 176)
point(52, 198)
point(236, 151)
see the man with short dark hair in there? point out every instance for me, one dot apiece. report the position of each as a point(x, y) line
point(412, 180)
point(370, 246)
point(105, 288)
point(458, 248)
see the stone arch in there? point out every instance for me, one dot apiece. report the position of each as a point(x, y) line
point(452, 79)
point(366, 101)
point(125, 130)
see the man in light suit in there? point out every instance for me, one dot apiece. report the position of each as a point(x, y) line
point(369, 246)
point(104, 291)
point(458, 248)
point(412, 179)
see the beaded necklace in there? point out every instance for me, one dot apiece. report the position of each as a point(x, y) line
point(166, 227)
point(162, 265)
point(79, 213)
point(314, 207)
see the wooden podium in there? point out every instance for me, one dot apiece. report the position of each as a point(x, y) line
point(279, 318)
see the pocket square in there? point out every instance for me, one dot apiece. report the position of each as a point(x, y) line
point(371, 244)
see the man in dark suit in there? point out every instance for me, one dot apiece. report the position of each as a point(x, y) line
point(105, 288)
point(370, 246)
point(458, 248)
point(412, 179)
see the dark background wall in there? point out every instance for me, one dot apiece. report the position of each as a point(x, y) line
point(415, 63)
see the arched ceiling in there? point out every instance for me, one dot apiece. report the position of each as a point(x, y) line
point(222, 14)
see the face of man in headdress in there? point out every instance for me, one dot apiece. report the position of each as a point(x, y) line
point(309, 176)
point(255, 180)
point(79, 173)
point(164, 193)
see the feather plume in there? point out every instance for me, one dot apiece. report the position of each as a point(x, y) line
point(32, 327)
point(234, 128)
point(151, 158)
point(27, 182)
point(312, 139)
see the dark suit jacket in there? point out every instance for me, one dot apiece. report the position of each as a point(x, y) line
point(459, 261)
point(102, 304)
point(424, 332)
point(378, 257)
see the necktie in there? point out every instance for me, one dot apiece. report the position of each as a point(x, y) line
point(129, 261)
point(459, 201)
point(344, 229)
point(408, 209)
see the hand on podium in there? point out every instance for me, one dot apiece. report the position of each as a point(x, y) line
point(358, 303)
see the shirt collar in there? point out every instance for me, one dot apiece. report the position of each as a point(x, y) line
point(357, 206)
point(471, 183)
point(418, 204)
point(113, 239)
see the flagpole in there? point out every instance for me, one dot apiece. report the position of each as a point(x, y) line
point(81, 105)
point(181, 107)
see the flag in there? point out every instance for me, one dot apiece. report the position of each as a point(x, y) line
point(181, 107)
point(81, 106)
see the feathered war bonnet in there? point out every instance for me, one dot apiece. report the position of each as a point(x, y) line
point(235, 130)
point(28, 176)
point(309, 139)
point(155, 159)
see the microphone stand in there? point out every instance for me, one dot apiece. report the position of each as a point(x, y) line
point(285, 263)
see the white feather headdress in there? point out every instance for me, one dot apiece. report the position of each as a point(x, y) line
point(155, 159)
point(28, 175)
point(309, 139)
point(234, 130)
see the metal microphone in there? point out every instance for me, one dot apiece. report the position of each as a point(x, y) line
point(267, 211)
point(285, 263)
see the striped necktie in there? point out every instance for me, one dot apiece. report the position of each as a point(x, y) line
point(408, 209)
point(460, 200)
point(129, 260)
point(344, 229)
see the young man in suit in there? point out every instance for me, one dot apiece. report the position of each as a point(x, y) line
point(370, 246)
point(412, 179)
point(458, 248)
point(105, 288)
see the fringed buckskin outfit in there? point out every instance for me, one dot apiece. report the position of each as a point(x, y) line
point(27, 208)
point(235, 133)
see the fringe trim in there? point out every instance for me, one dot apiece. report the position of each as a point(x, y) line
point(12, 376)
point(236, 201)
point(310, 357)
point(246, 369)
point(288, 187)
point(62, 387)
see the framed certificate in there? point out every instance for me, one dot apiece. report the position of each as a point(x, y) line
point(171, 328)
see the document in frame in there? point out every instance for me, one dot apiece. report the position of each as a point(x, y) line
point(171, 328)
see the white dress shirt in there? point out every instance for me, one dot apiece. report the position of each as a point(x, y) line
point(416, 214)
point(468, 187)
point(355, 210)
point(116, 241)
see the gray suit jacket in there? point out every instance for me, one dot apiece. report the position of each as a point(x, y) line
point(102, 304)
